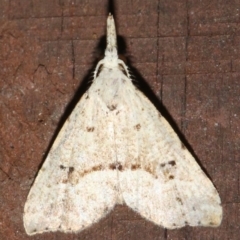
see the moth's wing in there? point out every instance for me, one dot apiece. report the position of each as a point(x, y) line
point(162, 181)
point(74, 187)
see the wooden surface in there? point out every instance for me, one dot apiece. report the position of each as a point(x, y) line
point(186, 51)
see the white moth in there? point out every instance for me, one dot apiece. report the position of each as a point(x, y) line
point(116, 148)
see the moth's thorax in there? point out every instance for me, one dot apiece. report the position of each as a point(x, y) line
point(111, 57)
point(115, 75)
point(110, 63)
point(115, 70)
point(109, 89)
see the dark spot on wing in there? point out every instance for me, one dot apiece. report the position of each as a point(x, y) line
point(34, 230)
point(87, 97)
point(172, 163)
point(120, 167)
point(174, 224)
point(90, 129)
point(199, 222)
point(179, 200)
point(60, 226)
point(70, 170)
point(186, 222)
point(166, 170)
point(148, 169)
point(159, 115)
point(62, 167)
point(97, 168)
point(211, 224)
point(135, 166)
point(137, 127)
point(112, 107)
point(65, 181)
point(114, 166)
point(171, 177)
point(194, 209)
point(93, 169)
point(46, 228)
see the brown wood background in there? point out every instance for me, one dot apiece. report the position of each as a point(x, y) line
point(187, 51)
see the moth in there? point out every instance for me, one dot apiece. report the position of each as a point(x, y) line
point(116, 148)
